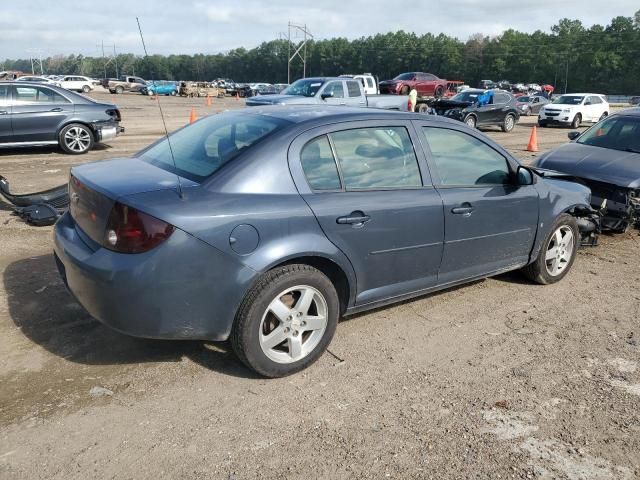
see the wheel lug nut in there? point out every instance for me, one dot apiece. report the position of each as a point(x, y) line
point(295, 333)
point(303, 323)
point(289, 318)
point(299, 314)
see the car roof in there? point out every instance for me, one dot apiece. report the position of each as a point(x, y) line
point(580, 94)
point(301, 114)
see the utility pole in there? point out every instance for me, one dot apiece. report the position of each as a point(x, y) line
point(36, 60)
point(303, 46)
point(107, 60)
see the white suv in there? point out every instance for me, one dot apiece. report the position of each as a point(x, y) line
point(77, 83)
point(574, 109)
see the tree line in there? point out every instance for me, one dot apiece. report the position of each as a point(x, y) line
point(598, 58)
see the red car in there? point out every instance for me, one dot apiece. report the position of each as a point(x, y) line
point(426, 84)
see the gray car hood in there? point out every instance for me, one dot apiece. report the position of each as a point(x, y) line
point(594, 163)
point(280, 100)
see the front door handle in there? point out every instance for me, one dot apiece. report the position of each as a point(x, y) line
point(464, 209)
point(356, 218)
point(4, 112)
point(57, 109)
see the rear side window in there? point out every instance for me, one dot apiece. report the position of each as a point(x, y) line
point(204, 147)
point(353, 88)
point(463, 160)
point(319, 165)
point(374, 158)
point(27, 95)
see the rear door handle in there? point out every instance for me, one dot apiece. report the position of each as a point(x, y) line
point(354, 218)
point(57, 109)
point(464, 209)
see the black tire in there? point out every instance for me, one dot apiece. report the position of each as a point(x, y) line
point(422, 108)
point(439, 92)
point(246, 331)
point(471, 121)
point(86, 89)
point(577, 121)
point(542, 123)
point(509, 123)
point(538, 271)
point(82, 135)
point(173, 93)
point(603, 116)
point(119, 90)
point(404, 90)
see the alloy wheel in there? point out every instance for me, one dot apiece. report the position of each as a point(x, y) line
point(293, 324)
point(508, 123)
point(77, 139)
point(559, 250)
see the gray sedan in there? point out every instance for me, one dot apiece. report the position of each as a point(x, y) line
point(530, 104)
point(35, 114)
point(266, 225)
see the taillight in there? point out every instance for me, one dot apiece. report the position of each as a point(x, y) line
point(115, 113)
point(131, 231)
point(409, 105)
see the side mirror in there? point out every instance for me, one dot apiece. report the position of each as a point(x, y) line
point(524, 176)
point(326, 95)
point(573, 135)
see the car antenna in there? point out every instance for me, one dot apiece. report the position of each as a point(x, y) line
point(166, 132)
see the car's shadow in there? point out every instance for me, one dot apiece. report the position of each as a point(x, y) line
point(45, 312)
point(47, 150)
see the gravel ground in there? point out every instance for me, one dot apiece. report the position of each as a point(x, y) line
point(497, 379)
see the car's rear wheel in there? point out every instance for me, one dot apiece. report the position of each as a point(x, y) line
point(470, 121)
point(577, 121)
point(286, 321)
point(404, 90)
point(149, 92)
point(422, 108)
point(558, 252)
point(439, 92)
point(76, 139)
point(508, 123)
point(86, 89)
point(119, 90)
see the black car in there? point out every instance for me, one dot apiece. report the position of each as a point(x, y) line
point(481, 108)
point(606, 158)
point(34, 114)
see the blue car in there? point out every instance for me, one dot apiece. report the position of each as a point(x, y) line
point(160, 87)
point(266, 225)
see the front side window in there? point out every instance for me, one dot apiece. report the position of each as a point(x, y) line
point(463, 160)
point(199, 150)
point(376, 158)
point(319, 165)
point(335, 88)
point(37, 95)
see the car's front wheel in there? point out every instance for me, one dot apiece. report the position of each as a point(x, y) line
point(577, 121)
point(557, 253)
point(76, 139)
point(286, 321)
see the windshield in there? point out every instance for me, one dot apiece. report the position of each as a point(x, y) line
point(524, 99)
point(405, 76)
point(466, 96)
point(303, 87)
point(568, 100)
point(618, 133)
point(201, 149)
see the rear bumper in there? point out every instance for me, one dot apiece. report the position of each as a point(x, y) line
point(107, 131)
point(183, 289)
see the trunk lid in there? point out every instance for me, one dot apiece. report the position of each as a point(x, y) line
point(94, 188)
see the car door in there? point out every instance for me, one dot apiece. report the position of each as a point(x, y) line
point(535, 104)
point(372, 196)
point(355, 94)
point(490, 221)
point(6, 132)
point(335, 87)
point(37, 113)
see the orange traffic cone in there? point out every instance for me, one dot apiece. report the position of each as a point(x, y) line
point(192, 117)
point(208, 101)
point(533, 141)
point(237, 96)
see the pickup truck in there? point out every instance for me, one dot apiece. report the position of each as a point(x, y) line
point(125, 83)
point(330, 91)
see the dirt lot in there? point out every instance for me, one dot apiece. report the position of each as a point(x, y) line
point(499, 379)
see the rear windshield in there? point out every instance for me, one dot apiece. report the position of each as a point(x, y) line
point(199, 150)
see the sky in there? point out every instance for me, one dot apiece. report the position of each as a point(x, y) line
point(45, 27)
